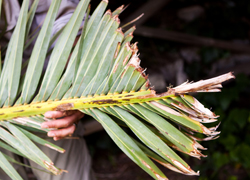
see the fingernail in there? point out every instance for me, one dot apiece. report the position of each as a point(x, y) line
point(51, 134)
point(44, 126)
point(48, 115)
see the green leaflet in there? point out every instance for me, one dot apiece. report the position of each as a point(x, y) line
point(61, 52)
point(104, 66)
point(39, 54)
point(117, 69)
point(150, 139)
point(118, 11)
point(11, 70)
point(29, 146)
point(177, 117)
point(169, 131)
point(126, 144)
point(92, 58)
point(31, 15)
point(41, 141)
point(8, 168)
point(14, 70)
point(93, 33)
point(11, 149)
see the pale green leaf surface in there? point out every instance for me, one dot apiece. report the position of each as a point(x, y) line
point(41, 141)
point(95, 55)
point(118, 11)
point(14, 69)
point(169, 131)
point(12, 160)
point(31, 15)
point(129, 31)
point(8, 168)
point(135, 81)
point(38, 55)
point(61, 52)
point(89, 49)
point(82, 38)
point(149, 138)
point(105, 63)
point(11, 149)
point(126, 144)
point(117, 69)
point(96, 16)
point(68, 77)
point(30, 146)
point(180, 119)
point(127, 74)
point(14, 142)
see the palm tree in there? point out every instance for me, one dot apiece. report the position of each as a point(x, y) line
point(103, 79)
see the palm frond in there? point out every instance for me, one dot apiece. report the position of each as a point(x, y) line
point(103, 79)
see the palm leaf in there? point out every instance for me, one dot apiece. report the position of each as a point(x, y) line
point(103, 79)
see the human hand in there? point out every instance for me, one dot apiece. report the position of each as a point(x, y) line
point(65, 125)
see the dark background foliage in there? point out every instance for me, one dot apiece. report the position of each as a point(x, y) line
point(172, 62)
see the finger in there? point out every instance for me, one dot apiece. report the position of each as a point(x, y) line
point(54, 114)
point(60, 123)
point(57, 138)
point(64, 122)
point(62, 132)
point(79, 114)
point(59, 114)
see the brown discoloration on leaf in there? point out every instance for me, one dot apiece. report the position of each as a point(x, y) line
point(120, 8)
point(105, 101)
point(115, 68)
point(151, 95)
point(119, 30)
point(125, 60)
point(50, 166)
point(64, 107)
point(167, 165)
point(130, 34)
point(1, 114)
point(126, 99)
point(122, 74)
point(135, 48)
point(51, 147)
point(165, 108)
point(38, 106)
point(108, 12)
point(18, 111)
point(156, 174)
point(210, 132)
point(128, 95)
point(186, 170)
point(117, 50)
point(202, 139)
point(183, 145)
point(116, 18)
point(134, 61)
point(142, 72)
point(148, 84)
point(127, 45)
point(204, 85)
